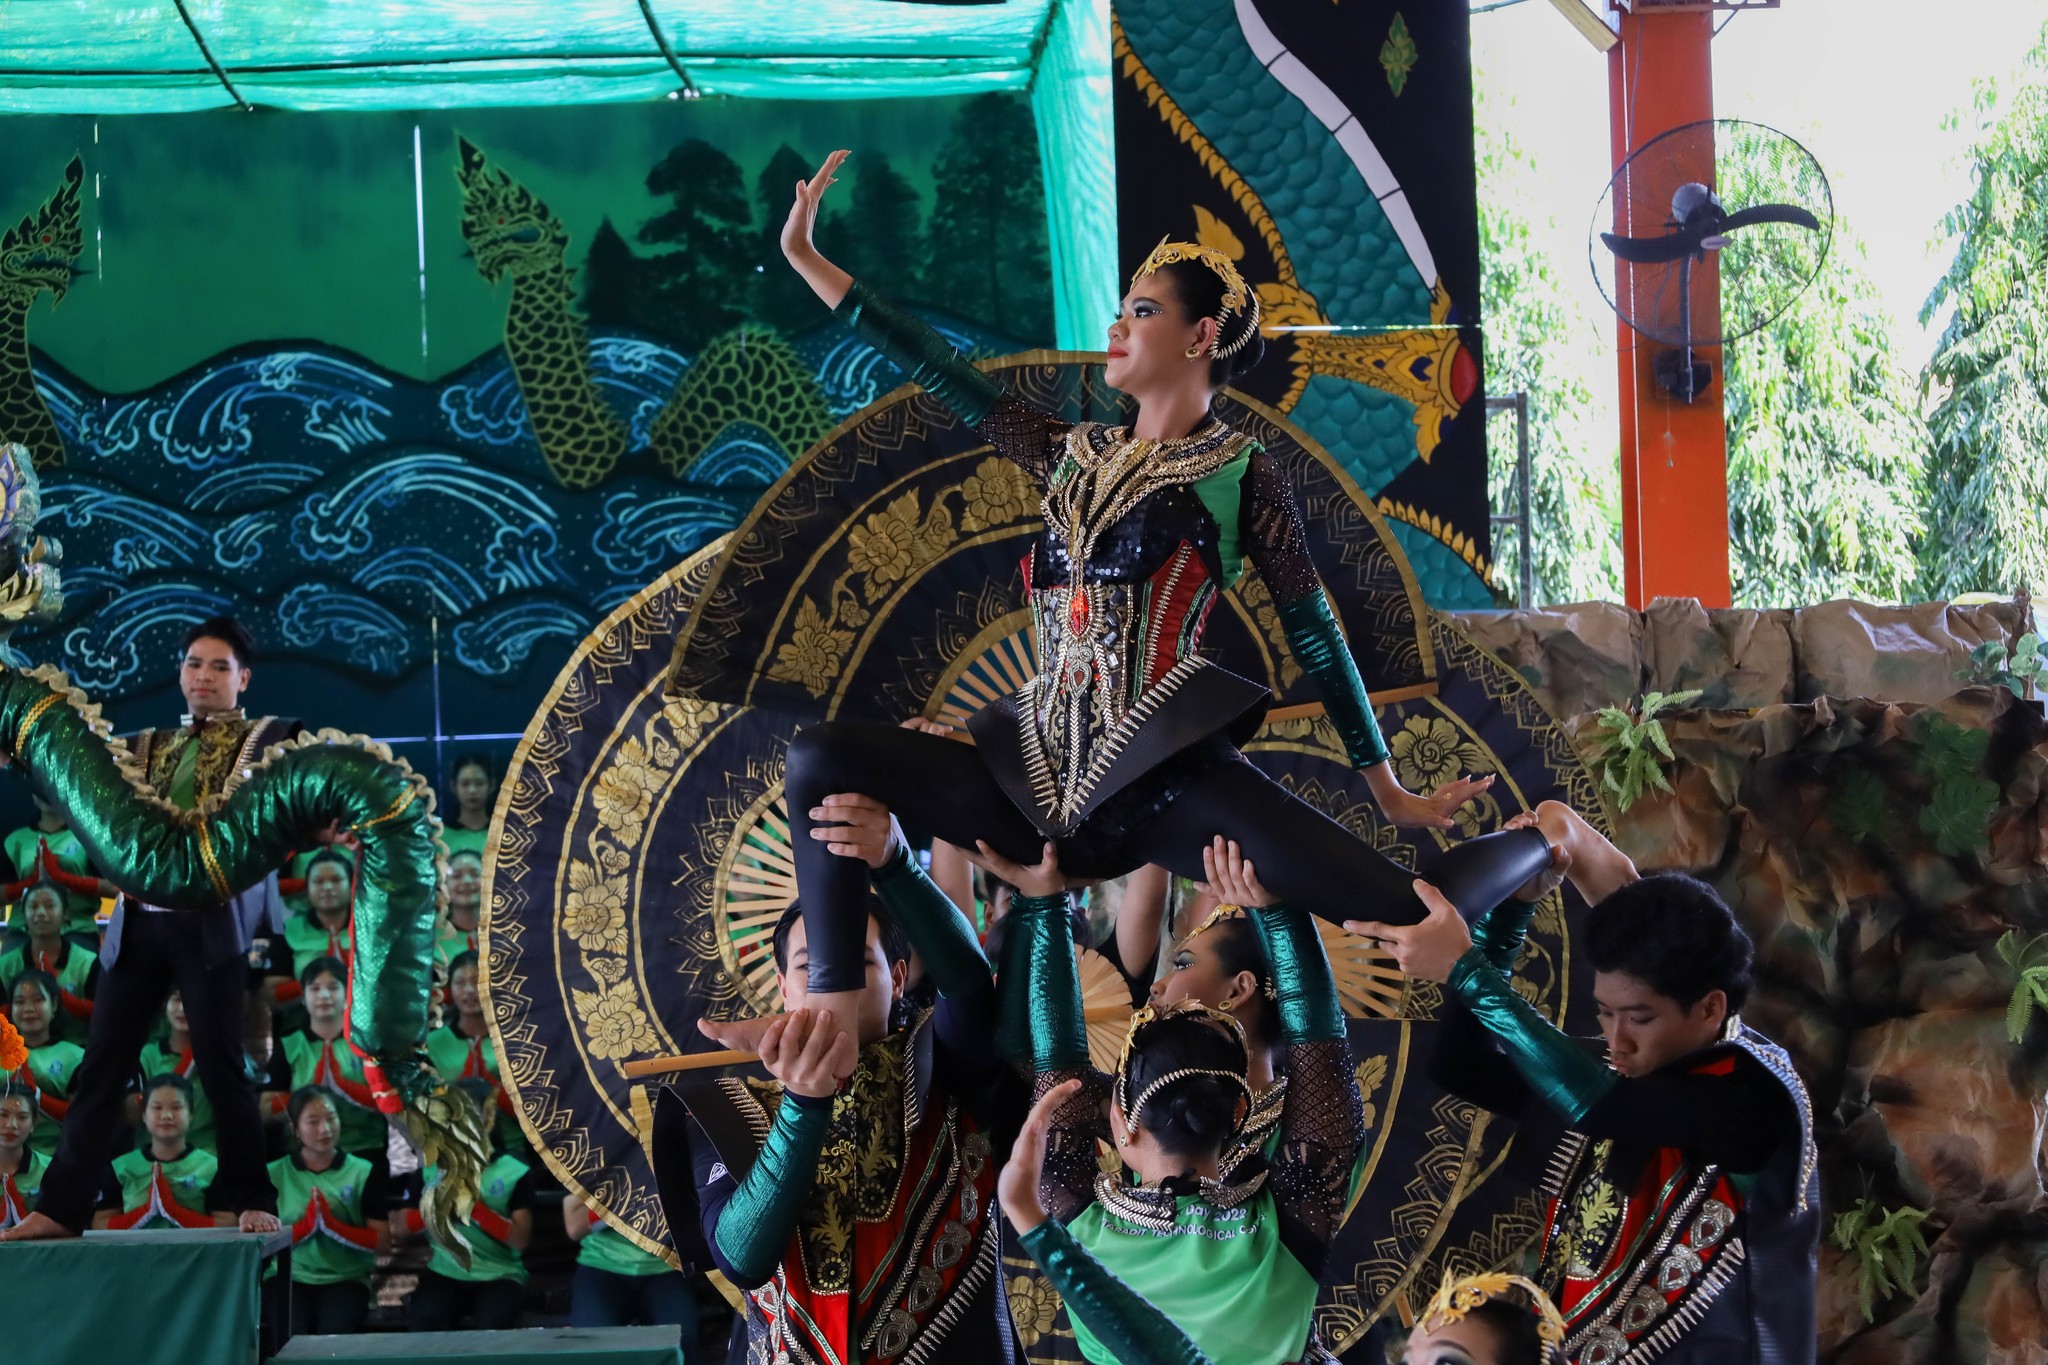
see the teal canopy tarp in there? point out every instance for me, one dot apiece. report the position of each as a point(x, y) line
point(106, 57)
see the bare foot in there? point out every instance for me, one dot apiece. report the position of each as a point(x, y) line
point(37, 1227)
point(256, 1220)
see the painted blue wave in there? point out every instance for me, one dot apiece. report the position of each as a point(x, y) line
point(345, 513)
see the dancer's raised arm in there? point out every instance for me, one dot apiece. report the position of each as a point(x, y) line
point(1018, 431)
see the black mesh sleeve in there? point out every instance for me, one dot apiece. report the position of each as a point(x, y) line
point(1028, 437)
point(1269, 519)
point(1067, 1184)
point(1322, 1130)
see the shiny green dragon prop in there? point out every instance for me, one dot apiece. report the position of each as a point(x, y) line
point(190, 859)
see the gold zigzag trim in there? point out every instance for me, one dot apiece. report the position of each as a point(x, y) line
point(1434, 526)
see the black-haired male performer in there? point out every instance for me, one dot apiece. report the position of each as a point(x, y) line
point(1684, 1220)
point(853, 1196)
point(203, 954)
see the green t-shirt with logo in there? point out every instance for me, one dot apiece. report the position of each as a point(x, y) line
point(505, 1188)
point(188, 1178)
point(74, 974)
point(28, 1183)
point(363, 1129)
point(50, 1069)
point(22, 848)
point(321, 1259)
point(612, 1251)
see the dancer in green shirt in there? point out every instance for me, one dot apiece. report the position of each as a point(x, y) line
point(52, 1062)
point(164, 1184)
point(335, 1204)
point(21, 1166)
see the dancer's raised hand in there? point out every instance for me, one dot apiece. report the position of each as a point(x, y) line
point(808, 1053)
point(1017, 1183)
point(1427, 950)
point(1042, 878)
point(1230, 877)
point(854, 826)
point(803, 213)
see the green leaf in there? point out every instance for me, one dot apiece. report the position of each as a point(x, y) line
point(1958, 814)
point(2018, 1011)
point(1654, 732)
point(1858, 807)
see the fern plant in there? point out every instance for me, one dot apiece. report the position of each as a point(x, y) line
point(1887, 1248)
point(2020, 670)
point(1631, 755)
point(2029, 963)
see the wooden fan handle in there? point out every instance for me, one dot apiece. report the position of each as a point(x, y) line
point(688, 1061)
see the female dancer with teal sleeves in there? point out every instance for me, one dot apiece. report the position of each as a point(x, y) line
point(1123, 749)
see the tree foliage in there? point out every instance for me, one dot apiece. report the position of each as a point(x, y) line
point(1540, 342)
point(699, 287)
point(1825, 449)
point(1988, 379)
point(986, 252)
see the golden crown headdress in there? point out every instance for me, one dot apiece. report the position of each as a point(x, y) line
point(1237, 295)
point(1149, 1015)
point(1458, 1297)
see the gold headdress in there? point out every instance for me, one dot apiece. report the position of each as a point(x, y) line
point(1210, 921)
point(1149, 1015)
point(1458, 1297)
point(1237, 295)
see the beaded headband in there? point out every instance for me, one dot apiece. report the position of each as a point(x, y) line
point(1458, 1297)
point(1237, 295)
point(1149, 1015)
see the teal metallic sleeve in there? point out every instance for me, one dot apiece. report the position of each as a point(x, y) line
point(928, 358)
point(1318, 647)
point(755, 1227)
point(1133, 1329)
point(1039, 1010)
point(1564, 1075)
point(1304, 988)
point(935, 927)
point(1501, 931)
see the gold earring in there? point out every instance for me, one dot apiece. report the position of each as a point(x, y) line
point(1193, 352)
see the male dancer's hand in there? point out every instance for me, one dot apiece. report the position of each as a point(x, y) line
point(808, 1053)
point(1042, 878)
point(857, 827)
point(1017, 1182)
point(1427, 950)
point(1229, 876)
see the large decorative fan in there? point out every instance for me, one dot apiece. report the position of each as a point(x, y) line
point(1708, 233)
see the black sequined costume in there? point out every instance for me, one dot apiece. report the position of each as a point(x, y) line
point(1122, 751)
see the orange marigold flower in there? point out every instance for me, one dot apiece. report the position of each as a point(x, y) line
point(13, 1049)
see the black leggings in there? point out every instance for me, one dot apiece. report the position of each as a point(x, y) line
point(940, 785)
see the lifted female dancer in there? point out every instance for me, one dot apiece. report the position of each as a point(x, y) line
point(1123, 750)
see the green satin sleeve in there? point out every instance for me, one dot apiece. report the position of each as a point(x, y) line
point(1501, 931)
point(912, 347)
point(1318, 646)
point(1563, 1074)
point(935, 927)
point(1039, 1014)
point(756, 1224)
point(1304, 987)
point(1133, 1329)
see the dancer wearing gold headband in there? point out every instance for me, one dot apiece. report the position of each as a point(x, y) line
point(1123, 749)
point(1495, 1319)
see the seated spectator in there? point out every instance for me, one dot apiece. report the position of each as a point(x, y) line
point(475, 791)
point(321, 1056)
point(74, 967)
point(51, 1060)
point(619, 1285)
point(162, 1185)
point(491, 1286)
point(465, 907)
point(461, 1049)
point(173, 1057)
point(335, 1204)
point(327, 929)
point(21, 1166)
point(24, 849)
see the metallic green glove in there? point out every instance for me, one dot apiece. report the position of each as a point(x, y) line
point(756, 1224)
point(935, 927)
point(1565, 1075)
point(1304, 988)
point(1501, 931)
point(1039, 1014)
point(928, 358)
point(1134, 1330)
point(1318, 647)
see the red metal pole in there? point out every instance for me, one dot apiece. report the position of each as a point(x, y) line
point(1674, 456)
